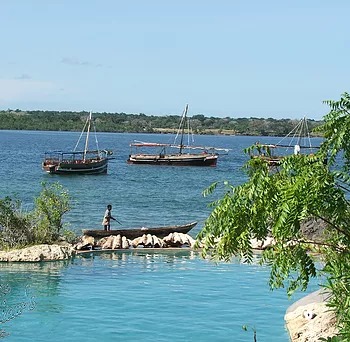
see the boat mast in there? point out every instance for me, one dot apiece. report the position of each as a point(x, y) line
point(87, 136)
point(183, 121)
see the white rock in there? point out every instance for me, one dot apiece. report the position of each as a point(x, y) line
point(38, 253)
point(117, 242)
point(137, 241)
point(149, 241)
point(108, 243)
point(101, 242)
point(88, 240)
point(125, 243)
point(310, 318)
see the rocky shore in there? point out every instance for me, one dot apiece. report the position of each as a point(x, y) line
point(145, 241)
point(65, 251)
point(38, 253)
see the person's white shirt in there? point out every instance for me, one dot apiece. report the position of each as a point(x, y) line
point(296, 149)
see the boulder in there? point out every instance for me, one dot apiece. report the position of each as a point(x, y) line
point(157, 242)
point(108, 242)
point(87, 242)
point(125, 243)
point(116, 242)
point(144, 239)
point(313, 229)
point(310, 318)
point(149, 241)
point(178, 240)
point(137, 242)
point(262, 244)
point(101, 241)
point(38, 253)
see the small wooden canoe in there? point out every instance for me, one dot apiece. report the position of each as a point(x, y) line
point(132, 233)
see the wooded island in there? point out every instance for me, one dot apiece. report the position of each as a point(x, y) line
point(142, 123)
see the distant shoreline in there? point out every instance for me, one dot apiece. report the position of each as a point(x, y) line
point(164, 131)
point(141, 123)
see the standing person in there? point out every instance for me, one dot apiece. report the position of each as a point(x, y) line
point(107, 218)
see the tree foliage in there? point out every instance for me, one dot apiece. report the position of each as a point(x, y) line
point(276, 203)
point(50, 206)
point(15, 226)
point(19, 228)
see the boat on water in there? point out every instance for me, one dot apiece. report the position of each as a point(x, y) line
point(84, 161)
point(176, 153)
point(132, 233)
point(297, 141)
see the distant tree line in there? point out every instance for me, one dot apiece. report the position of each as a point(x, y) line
point(141, 123)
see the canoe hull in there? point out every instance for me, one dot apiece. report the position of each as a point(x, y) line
point(78, 167)
point(202, 159)
point(132, 233)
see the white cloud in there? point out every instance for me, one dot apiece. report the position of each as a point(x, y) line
point(76, 62)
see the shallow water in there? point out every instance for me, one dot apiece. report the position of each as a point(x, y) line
point(136, 295)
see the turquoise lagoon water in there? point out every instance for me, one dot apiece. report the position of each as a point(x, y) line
point(140, 294)
point(147, 296)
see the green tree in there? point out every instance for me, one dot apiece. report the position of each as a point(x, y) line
point(50, 206)
point(277, 203)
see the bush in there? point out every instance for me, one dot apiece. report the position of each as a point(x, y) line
point(42, 225)
point(15, 226)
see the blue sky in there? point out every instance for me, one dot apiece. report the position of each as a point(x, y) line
point(233, 58)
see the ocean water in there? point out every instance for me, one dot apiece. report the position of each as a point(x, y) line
point(140, 294)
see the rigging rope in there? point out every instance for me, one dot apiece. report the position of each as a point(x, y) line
point(81, 134)
point(299, 132)
point(98, 149)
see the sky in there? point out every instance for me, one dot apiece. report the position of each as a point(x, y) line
point(225, 58)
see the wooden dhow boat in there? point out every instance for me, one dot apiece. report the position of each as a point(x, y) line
point(132, 233)
point(298, 142)
point(176, 154)
point(85, 161)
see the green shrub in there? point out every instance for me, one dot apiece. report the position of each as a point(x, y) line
point(42, 225)
point(15, 226)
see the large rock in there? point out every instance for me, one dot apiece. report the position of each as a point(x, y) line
point(137, 241)
point(108, 244)
point(125, 243)
point(178, 240)
point(86, 242)
point(157, 242)
point(309, 318)
point(313, 229)
point(262, 244)
point(38, 253)
point(117, 242)
point(147, 240)
point(101, 241)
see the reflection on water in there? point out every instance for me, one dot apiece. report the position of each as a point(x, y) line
point(155, 252)
point(41, 267)
point(42, 279)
